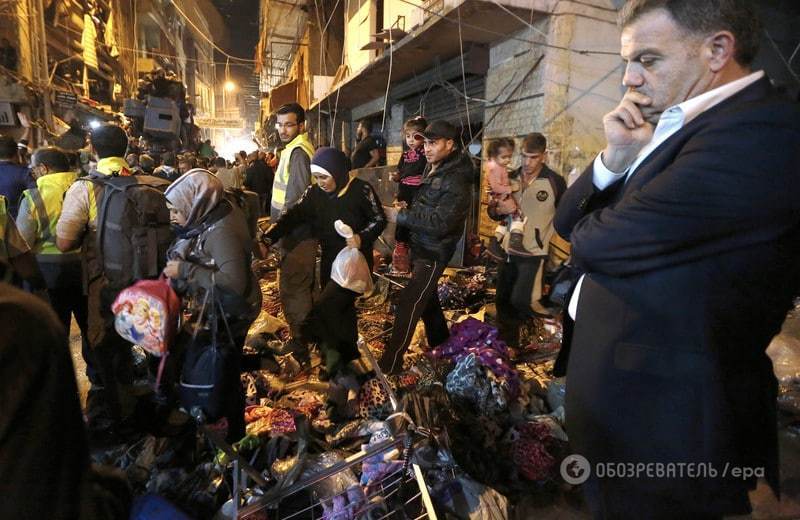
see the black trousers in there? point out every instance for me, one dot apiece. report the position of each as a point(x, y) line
point(517, 280)
point(65, 290)
point(110, 353)
point(333, 324)
point(418, 300)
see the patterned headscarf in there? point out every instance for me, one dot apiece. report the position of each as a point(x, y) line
point(195, 194)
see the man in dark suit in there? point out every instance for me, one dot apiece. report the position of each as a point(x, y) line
point(687, 227)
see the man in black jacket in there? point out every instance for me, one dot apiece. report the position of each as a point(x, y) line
point(436, 221)
point(687, 226)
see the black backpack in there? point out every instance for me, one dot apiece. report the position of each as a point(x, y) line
point(133, 228)
point(249, 203)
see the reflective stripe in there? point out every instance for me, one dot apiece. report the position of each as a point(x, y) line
point(281, 181)
point(36, 201)
point(48, 200)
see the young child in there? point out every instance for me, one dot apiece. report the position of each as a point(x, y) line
point(502, 187)
point(409, 175)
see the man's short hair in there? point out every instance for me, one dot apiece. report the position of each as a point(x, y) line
point(293, 108)
point(702, 18)
point(109, 141)
point(8, 147)
point(366, 123)
point(534, 143)
point(168, 159)
point(147, 163)
point(219, 162)
point(74, 158)
point(53, 157)
point(496, 144)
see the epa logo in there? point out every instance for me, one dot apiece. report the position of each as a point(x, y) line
point(575, 469)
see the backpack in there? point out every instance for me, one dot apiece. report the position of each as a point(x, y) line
point(146, 314)
point(133, 228)
point(249, 203)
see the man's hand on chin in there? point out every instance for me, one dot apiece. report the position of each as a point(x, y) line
point(627, 131)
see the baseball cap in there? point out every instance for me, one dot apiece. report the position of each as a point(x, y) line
point(440, 129)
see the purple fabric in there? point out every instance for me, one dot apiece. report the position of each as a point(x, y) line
point(475, 337)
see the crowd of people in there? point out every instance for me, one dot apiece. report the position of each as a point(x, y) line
point(685, 234)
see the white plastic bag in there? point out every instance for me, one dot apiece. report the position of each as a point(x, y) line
point(350, 269)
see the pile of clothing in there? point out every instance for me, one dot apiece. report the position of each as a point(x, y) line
point(465, 289)
point(494, 415)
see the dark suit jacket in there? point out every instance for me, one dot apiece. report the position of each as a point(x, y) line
point(692, 265)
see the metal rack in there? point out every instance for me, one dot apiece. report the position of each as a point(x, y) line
point(400, 494)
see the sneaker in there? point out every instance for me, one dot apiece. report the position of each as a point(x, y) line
point(300, 353)
point(495, 251)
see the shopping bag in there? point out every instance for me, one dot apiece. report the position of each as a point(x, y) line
point(350, 269)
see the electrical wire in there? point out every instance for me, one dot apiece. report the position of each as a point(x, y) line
point(781, 56)
point(209, 40)
point(339, 88)
point(388, 79)
point(504, 35)
point(463, 73)
point(160, 54)
point(509, 11)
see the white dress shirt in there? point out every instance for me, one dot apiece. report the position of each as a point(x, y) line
point(672, 120)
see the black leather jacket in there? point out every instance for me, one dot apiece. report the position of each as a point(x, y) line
point(438, 214)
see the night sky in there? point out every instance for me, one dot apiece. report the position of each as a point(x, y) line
point(241, 17)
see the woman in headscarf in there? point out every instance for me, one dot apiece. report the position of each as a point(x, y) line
point(335, 196)
point(213, 249)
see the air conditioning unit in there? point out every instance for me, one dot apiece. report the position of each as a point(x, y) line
point(161, 117)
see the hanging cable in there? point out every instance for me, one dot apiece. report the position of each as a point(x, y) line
point(209, 40)
point(389, 79)
point(463, 73)
point(504, 35)
point(339, 89)
point(158, 54)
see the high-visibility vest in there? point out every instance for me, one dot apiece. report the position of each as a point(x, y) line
point(282, 175)
point(46, 201)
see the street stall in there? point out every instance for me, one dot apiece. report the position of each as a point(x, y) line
point(463, 431)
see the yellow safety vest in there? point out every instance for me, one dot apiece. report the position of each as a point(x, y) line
point(46, 201)
point(108, 167)
point(282, 175)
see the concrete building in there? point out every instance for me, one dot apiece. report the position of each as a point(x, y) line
point(495, 68)
point(81, 60)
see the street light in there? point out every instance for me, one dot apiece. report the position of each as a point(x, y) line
point(229, 86)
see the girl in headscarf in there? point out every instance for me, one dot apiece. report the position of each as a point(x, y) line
point(213, 247)
point(335, 196)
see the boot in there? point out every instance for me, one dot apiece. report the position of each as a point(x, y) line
point(495, 251)
point(400, 260)
point(515, 239)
